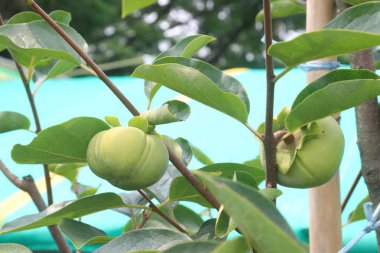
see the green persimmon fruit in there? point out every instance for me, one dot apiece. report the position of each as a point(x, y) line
point(312, 156)
point(127, 157)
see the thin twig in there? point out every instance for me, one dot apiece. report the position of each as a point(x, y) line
point(269, 142)
point(175, 161)
point(257, 134)
point(27, 184)
point(145, 218)
point(159, 212)
point(353, 186)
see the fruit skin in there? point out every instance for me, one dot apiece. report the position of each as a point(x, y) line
point(318, 159)
point(127, 157)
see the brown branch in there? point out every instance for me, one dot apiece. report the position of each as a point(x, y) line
point(27, 184)
point(145, 219)
point(160, 213)
point(352, 188)
point(368, 132)
point(269, 142)
point(37, 122)
point(175, 161)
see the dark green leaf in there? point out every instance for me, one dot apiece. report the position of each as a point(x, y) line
point(182, 190)
point(200, 81)
point(281, 9)
point(192, 247)
point(10, 121)
point(336, 97)
point(129, 6)
point(188, 219)
point(354, 2)
point(257, 217)
point(144, 239)
point(69, 171)
point(68, 209)
point(170, 111)
point(358, 213)
point(324, 43)
point(332, 77)
point(24, 17)
point(63, 143)
point(81, 234)
point(201, 156)
point(60, 16)
point(207, 231)
point(236, 245)
point(13, 248)
point(224, 224)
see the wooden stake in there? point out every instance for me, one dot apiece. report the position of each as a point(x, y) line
point(325, 220)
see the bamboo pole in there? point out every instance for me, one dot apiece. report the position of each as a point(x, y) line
point(324, 201)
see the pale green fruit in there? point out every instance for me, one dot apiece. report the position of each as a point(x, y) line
point(127, 157)
point(314, 160)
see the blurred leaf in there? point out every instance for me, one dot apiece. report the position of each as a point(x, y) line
point(84, 190)
point(270, 193)
point(63, 17)
point(10, 121)
point(332, 77)
point(181, 189)
point(224, 224)
point(354, 2)
point(281, 9)
point(13, 248)
point(201, 156)
point(206, 231)
point(140, 123)
point(192, 247)
point(236, 245)
point(257, 217)
point(278, 122)
point(130, 6)
point(81, 234)
point(113, 121)
point(133, 198)
point(186, 47)
point(180, 147)
point(144, 239)
point(69, 171)
point(67, 209)
point(63, 143)
point(199, 81)
point(324, 43)
point(42, 42)
point(336, 97)
point(255, 163)
point(29, 16)
point(170, 111)
point(358, 213)
point(189, 219)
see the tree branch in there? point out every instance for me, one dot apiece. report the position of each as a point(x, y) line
point(269, 142)
point(27, 184)
point(102, 76)
point(36, 120)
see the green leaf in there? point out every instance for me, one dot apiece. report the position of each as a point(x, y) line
point(53, 68)
point(63, 143)
point(189, 219)
point(206, 231)
point(67, 209)
point(82, 190)
point(144, 239)
point(69, 171)
point(29, 16)
point(354, 2)
point(10, 121)
point(140, 123)
point(358, 213)
point(170, 111)
point(270, 193)
point(60, 16)
point(224, 224)
point(81, 234)
point(13, 248)
point(113, 121)
point(199, 81)
point(133, 198)
point(130, 6)
point(187, 47)
point(255, 163)
point(336, 97)
point(181, 189)
point(363, 17)
point(332, 77)
point(180, 147)
point(192, 247)
point(257, 217)
point(201, 156)
point(320, 44)
point(42, 42)
point(236, 245)
point(281, 9)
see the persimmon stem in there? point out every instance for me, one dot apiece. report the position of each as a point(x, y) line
point(257, 134)
point(159, 212)
point(102, 76)
point(32, 103)
point(269, 142)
